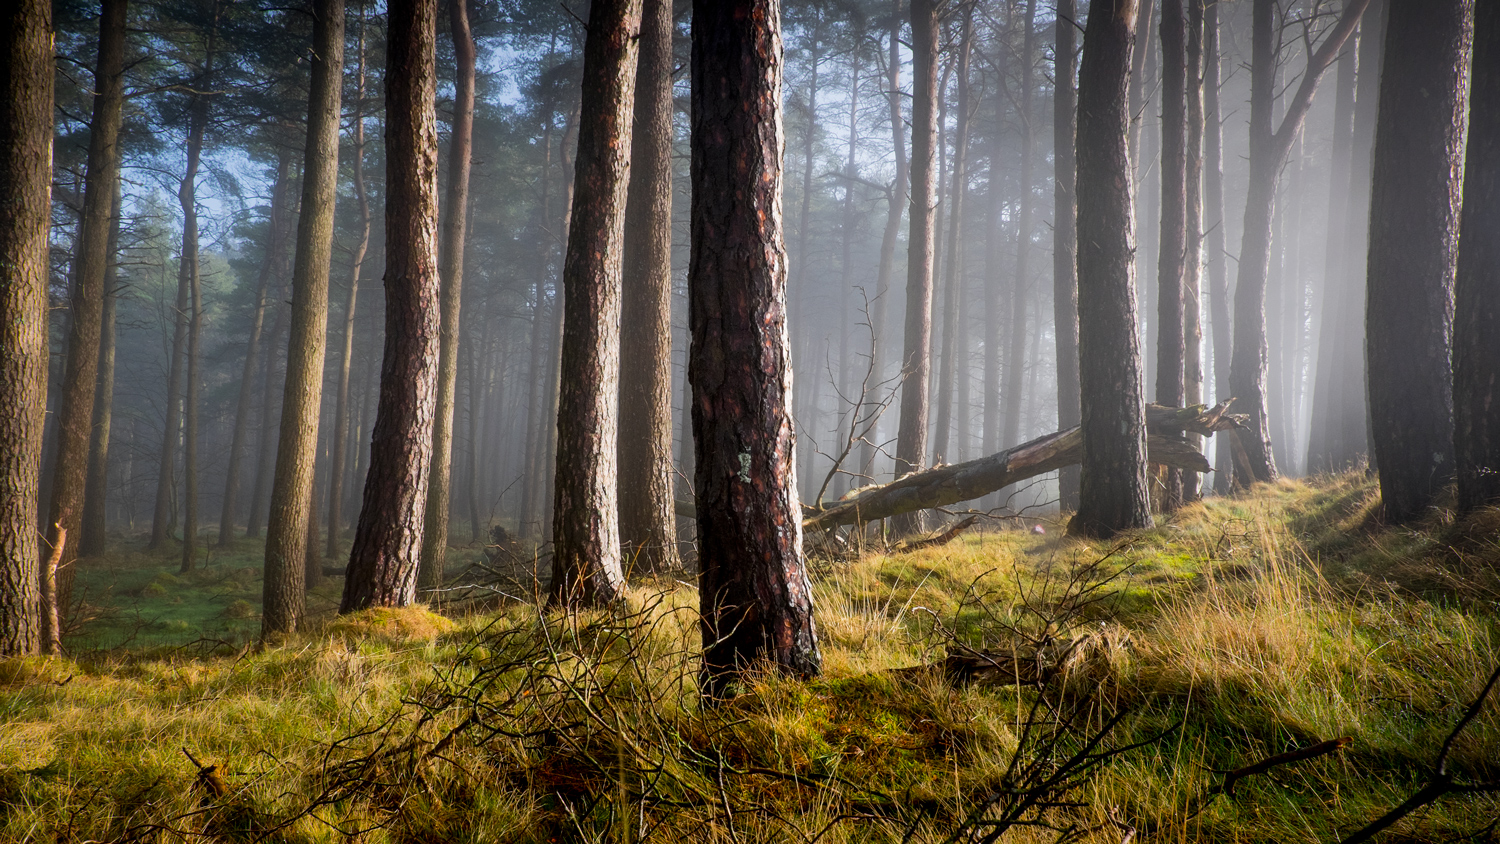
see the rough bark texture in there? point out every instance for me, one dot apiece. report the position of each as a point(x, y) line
point(945, 485)
point(586, 567)
point(96, 487)
point(648, 525)
point(25, 189)
point(341, 412)
point(1476, 331)
point(383, 562)
point(1414, 217)
point(1113, 495)
point(756, 600)
point(1192, 270)
point(953, 276)
point(916, 364)
point(440, 483)
point(291, 512)
point(1171, 253)
point(75, 404)
point(1065, 233)
point(1269, 147)
point(275, 232)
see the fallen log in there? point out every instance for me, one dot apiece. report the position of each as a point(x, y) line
point(945, 485)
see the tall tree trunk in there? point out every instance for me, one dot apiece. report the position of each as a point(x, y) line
point(383, 562)
point(287, 540)
point(847, 227)
point(1213, 224)
point(553, 386)
point(1145, 13)
point(536, 419)
point(1476, 330)
point(1065, 234)
point(341, 410)
point(895, 199)
point(648, 522)
point(26, 71)
point(1268, 153)
point(278, 222)
point(586, 568)
point(1171, 256)
point(1113, 495)
point(92, 537)
point(953, 275)
point(187, 195)
point(911, 437)
point(79, 388)
point(755, 594)
point(1414, 227)
point(801, 291)
point(265, 452)
point(1015, 363)
point(1192, 273)
point(471, 384)
point(1337, 281)
point(440, 482)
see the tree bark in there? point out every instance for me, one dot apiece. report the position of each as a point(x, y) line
point(916, 365)
point(586, 568)
point(341, 411)
point(953, 276)
point(1113, 495)
point(1171, 256)
point(756, 600)
point(1476, 330)
point(96, 486)
point(79, 388)
point(383, 562)
point(287, 541)
point(1145, 13)
point(1414, 227)
point(1065, 233)
point(1192, 273)
point(440, 483)
point(26, 71)
point(1015, 362)
point(1213, 224)
point(275, 231)
point(648, 524)
point(1269, 148)
point(265, 455)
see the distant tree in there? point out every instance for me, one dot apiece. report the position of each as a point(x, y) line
point(79, 387)
point(1192, 272)
point(92, 536)
point(1171, 256)
point(586, 567)
point(648, 523)
point(1015, 358)
point(26, 72)
point(916, 363)
point(1065, 232)
point(1476, 330)
point(451, 267)
point(953, 267)
point(756, 600)
point(1112, 494)
point(1213, 226)
point(302, 398)
point(1414, 225)
point(387, 541)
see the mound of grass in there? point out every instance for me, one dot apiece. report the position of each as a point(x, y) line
point(1236, 630)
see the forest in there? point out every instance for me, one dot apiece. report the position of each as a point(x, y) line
point(750, 420)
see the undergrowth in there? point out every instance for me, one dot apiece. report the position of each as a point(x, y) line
point(1105, 690)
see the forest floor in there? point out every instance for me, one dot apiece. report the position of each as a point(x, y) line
point(1240, 629)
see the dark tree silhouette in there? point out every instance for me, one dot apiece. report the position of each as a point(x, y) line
point(1171, 257)
point(1065, 233)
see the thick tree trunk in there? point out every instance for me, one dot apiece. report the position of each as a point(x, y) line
point(755, 595)
point(586, 568)
point(648, 525)
point(26, 71)
point(383, 562)
point(275, 230)
point(1065, 233)
point(1113, 495)
point(1171, 254)
point(946, 485)
point(287, 540)
point(1476, 329)
point(96, 487)
point(953, 275)
point(1269, 148)
point(1414, 227)
point(341, 410)
point(1213, 224)
point(911, 437)
point(440, 483)
point(75, 404)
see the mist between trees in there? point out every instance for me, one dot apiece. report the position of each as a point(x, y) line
point(418, 275)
